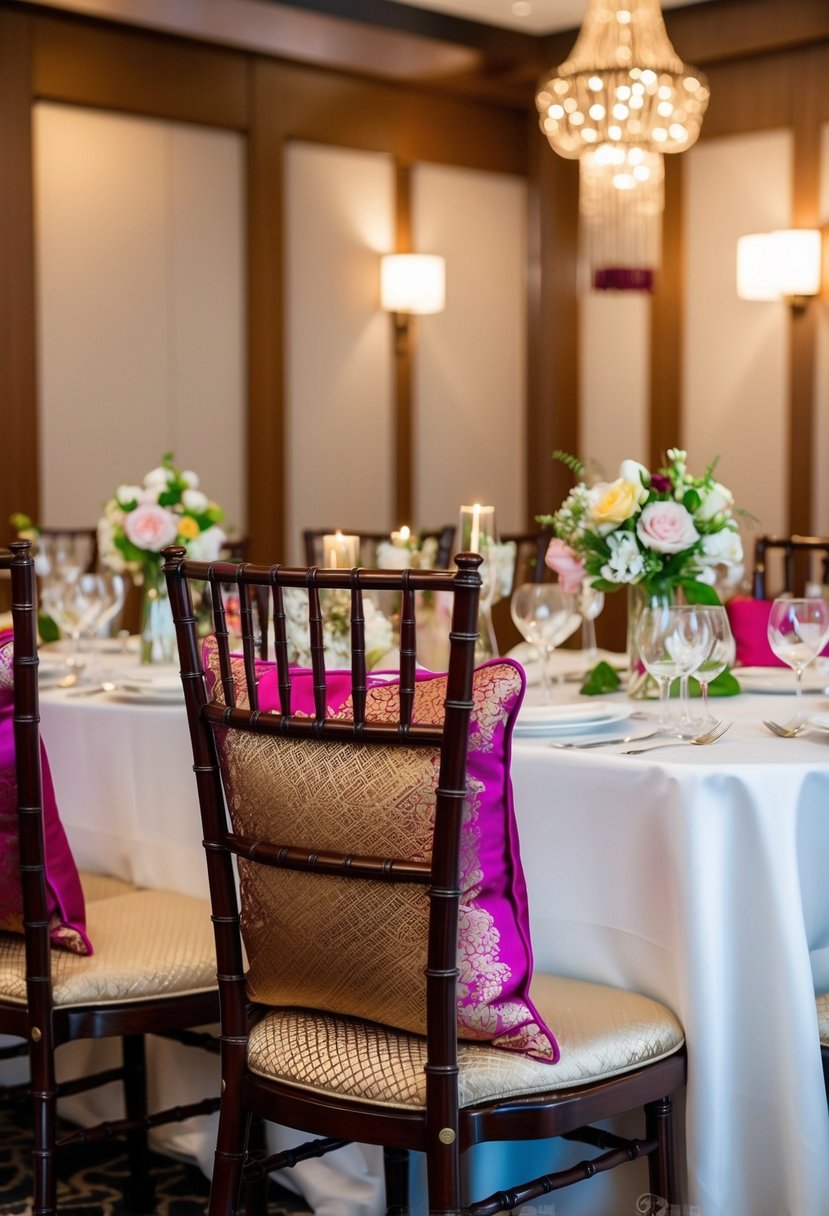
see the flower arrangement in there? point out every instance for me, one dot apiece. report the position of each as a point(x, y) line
point(379, 636)
point(406, 551)
point(168, 508)
point(662, 531)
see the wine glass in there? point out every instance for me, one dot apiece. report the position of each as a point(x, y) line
point(545, 615)
point(102, 596)
point(672, 642)
point(590, 604)
point(798, 630)
point(720, 656)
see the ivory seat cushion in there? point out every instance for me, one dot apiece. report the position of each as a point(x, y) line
point(602, 1032)
point(822, 1003)
point(147, 944)
point(103, 886)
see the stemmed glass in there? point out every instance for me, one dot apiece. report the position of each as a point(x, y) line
point(590, 604)
point(720, 655)
point(798, 630)
point(672, 642)
point(545, 616)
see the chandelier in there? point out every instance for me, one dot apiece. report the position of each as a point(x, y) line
point(622, 100)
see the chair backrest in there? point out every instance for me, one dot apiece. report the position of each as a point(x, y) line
point(32, 868)
point(530, 550)
point(312, 539)
point(274, 763)
point(793, 557)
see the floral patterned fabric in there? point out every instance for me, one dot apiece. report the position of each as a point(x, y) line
point(64, 895)
point(381, 801)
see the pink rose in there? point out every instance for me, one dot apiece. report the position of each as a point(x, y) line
point(150, 527)
point(666, 527)
point(569, 568)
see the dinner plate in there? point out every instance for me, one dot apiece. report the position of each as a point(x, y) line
point(147, 694)
point(780, 679)
point(819, 721)
point(539, 721)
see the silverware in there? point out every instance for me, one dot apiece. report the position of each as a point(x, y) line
point(786, 732)
point(709, 736)
point(606, 742)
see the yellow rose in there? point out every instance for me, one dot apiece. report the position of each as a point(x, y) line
point(616, 503)
point(188, 528)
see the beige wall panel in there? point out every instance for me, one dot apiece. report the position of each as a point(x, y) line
point(613, 367)
point(140, 315)
point(735, 387)
point(339, 218)
point(820, 507)
point(470, 370)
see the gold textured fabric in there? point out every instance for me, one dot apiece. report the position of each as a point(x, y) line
point(103, 886)
point(603, 1032)
point(822, 1003)
point(147, 944)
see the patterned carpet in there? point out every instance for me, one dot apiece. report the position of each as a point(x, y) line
point(91, 1179)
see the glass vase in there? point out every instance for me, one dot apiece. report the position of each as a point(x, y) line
point(158, 635)
point(639, 682)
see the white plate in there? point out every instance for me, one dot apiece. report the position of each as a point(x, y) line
point(538, 721)
point(819, 721)
point(779, 679)
point(138, 694)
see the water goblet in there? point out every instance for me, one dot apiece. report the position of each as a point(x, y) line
point(798, 630)
point(720, 655)
point(590, 604)
point(102, 597)
point(672, 642)
point(695, 623)
point(546, 616)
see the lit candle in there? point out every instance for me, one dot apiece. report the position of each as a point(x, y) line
point(401, 538)
point(477, 522)
point(340, 551)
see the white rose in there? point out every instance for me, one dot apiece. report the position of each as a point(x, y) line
point(158, 477)
point(719, 498)
point(207, 545)
point(724, 547)
point(128, 494)
point(633, 471)
point(194, 500)
point(190, 479)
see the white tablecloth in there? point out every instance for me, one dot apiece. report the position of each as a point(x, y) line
point(696, 875)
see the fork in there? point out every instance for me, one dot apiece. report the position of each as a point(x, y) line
point(709, 736)
point(785, 732)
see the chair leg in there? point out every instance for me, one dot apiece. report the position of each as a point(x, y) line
point(44, 1104)
point(396, 1172)
point(256, 1190)
point(662, 1165)
point(140, 1194)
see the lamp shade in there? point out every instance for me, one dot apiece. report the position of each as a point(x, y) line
point(412, 282)
point(784, 263)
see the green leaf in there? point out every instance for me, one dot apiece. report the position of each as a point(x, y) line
point(573, 463)
point(47, 628)
point(725, 685)
point(698, 593)
point(601, 679)
point(691, 501)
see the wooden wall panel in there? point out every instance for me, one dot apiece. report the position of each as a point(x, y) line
point(19, 480)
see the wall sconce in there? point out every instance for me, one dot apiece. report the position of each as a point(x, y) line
point(412, 283)
point(780, 265)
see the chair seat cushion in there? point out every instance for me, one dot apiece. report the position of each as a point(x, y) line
point(602, 1032)
point(822, 1003)
point(147, 944)
point(103, 886)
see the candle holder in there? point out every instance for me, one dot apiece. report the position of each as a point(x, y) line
point(479, 534)
point(340, 551)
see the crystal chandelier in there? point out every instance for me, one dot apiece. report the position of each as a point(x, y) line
point(622, 99)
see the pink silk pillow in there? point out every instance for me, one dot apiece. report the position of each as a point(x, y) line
point(64, 896)
point(749, 619)
point(494, 948)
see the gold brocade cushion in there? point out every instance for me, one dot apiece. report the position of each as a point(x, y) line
point(356, 947)
point(603, 1032)
point(147, 944)
point(103, 886)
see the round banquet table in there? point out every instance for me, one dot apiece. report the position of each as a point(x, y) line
point(695, 875)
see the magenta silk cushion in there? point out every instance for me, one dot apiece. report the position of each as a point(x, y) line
point(494, 949)
point(749, 619)
point(64, 896)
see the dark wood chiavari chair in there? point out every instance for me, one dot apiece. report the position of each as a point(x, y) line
point(152, 971)
point(345, 819)
point(793, 557)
